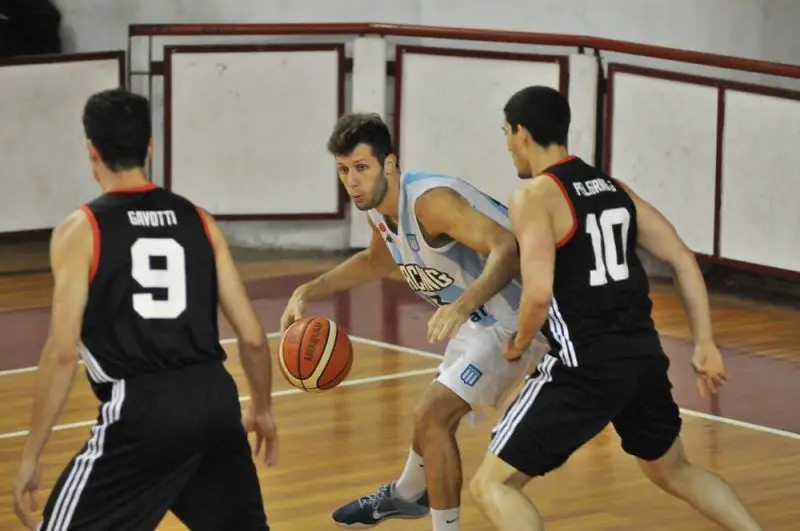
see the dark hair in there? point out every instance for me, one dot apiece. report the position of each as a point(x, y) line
point(118, 124)
point(543, 111)
point(361, 128)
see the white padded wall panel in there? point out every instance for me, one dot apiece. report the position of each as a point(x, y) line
point(44, 167)
point(760, 217)
point(451, 115)
point(663, 144)
point(249, 126)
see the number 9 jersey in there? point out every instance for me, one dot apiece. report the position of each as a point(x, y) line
point(152, 303)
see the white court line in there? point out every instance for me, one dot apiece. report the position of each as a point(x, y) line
point(284, 392)
point(740, 424)
point(271, 335)
point(431, 355)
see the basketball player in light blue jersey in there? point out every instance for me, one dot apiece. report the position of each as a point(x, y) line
point(454, 247)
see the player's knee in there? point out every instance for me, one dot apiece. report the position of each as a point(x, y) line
point(481, 487)
point(668, 471)
point(439, 411)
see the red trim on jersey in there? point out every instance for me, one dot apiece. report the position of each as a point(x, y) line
point(206, 227)
point(96, 241)
point(562, 161)
point(565, 240)
point(134, 189)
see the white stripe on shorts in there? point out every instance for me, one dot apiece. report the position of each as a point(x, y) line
point(73, 487)
point(505, 428)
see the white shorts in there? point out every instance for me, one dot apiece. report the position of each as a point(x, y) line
point(474, 367)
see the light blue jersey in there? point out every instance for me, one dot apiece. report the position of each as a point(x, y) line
point(440, 274)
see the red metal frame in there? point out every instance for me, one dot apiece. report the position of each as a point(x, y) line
point(37, 234)
point(581, 42)
point(482, 35)
point(561, 60)
point(722, 86)
point(608, 137)
point(249, 48)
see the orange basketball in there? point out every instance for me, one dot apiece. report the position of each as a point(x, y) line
point(315, 354)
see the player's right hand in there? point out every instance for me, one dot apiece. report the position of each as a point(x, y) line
point(709, 368)
point(266, 430)
point(27, 485)
point(295, 309)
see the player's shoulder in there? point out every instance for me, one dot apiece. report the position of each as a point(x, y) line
point(420, 178)
point(75, 229)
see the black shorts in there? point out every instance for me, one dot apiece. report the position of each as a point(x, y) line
point(561, 408)
point(165, 442)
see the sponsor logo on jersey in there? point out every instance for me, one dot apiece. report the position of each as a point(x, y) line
point(425, 279)
point(412, 241)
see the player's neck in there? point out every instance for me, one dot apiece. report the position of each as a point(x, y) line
point(390, 206)
point(123, 180)
point(550, 156)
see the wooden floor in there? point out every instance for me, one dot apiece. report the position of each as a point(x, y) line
point(344, 443)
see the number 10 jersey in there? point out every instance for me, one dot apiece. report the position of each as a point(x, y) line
point(152, 303)
point(600, 289)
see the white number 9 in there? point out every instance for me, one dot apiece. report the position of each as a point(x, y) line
point(173, 278)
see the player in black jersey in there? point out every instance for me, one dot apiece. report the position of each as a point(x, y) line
point(138, 275)
point(585, 288)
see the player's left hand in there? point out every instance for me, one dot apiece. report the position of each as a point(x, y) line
point(707, 364)
point(447, 321)
point(511, 351)
point(27, 483)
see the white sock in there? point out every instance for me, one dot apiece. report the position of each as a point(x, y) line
point(411, 484)
point(446, 520)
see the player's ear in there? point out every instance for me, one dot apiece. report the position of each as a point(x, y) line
point(390, 163)
point(94, 155)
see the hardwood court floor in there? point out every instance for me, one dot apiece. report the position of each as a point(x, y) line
point(344, 443)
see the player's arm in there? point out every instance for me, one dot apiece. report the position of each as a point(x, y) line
point(657, 236)
point(531, 220)
point(445, 211)
point(373, 263)
point(71, 252)
point(254, 350)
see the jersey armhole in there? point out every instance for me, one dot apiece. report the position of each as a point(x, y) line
point(95, 241)
point(416, 225)
point(566, 239)
point(206, 228)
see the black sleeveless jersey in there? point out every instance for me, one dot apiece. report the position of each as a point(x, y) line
point(600, 289)
point(152, 302)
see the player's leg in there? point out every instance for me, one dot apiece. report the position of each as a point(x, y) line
point(497, 486)
point(406, 497)
point(126, 474)
point(558, 410)
point(650, 428)
point(474, 377)
point(224, 493)
point(436, 421)
point(473, 373)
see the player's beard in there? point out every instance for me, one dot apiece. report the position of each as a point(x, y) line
point(378, 193)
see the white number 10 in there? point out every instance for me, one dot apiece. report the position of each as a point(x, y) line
point(605, 246)
point(173, 278)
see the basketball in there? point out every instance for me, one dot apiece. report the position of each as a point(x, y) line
point(315, 354)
